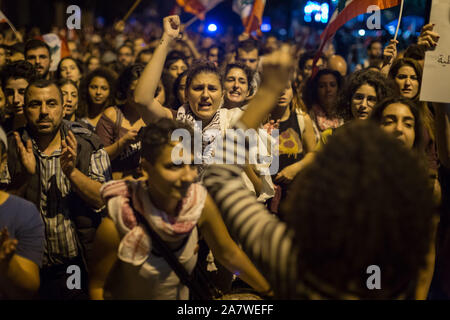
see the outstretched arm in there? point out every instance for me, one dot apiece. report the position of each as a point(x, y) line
point(226, 250)
point(150, 109)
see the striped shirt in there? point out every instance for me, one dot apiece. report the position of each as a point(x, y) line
point(266, 240)
point(60, 234)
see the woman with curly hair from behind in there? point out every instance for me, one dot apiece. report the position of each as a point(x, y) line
point(364, 201)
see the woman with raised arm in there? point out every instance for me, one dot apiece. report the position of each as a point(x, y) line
point(202, 110)
point(348, 211)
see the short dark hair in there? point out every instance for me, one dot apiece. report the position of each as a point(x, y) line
point(42, 83)
point(363, 201)
point(145, 51)
point(247, 46)
point(18, 70)
point(156, 136)
point(34, 44)
point(126, 46)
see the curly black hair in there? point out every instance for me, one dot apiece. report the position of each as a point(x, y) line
point(18, 70)
point(85, 100)
point(364, 201)
point(383, 87)
point(155, 137)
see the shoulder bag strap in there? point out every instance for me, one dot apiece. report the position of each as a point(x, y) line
point(174, 263)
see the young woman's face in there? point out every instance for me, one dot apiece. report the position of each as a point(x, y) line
point(363, 101)
point(70, 99)
point(98, 90)
point(286, 98)
point(181, 90)
point(407, 81)
point(94, 63)
point(398, 120)
point(69, 70)
point(169, 180)
point(205, 95)
point(236, 87)
point(327, 90)
point(177, 68)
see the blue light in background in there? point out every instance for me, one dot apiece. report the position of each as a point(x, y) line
point(362, 32)
point(319, 11)
point(266, 25)
point(212, 27)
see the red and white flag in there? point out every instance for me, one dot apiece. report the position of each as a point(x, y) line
point(198, 7)
point(58, 48)
point(345, 11)
point(251, 13)
point(3, 18)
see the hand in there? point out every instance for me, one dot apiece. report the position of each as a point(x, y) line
point(287, 174)
point(7, 246)
point(277, 68)
point(172, 26)
point(428, 39)
point(390, 52)
point(26, 154)
point(271, 125)
point(68, 154)
point(119, 26)
point(129, 137)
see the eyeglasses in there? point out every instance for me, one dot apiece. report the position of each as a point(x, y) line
point(359, 98)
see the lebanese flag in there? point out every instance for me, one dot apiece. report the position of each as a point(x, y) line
point(198, 7)
point(3, 18)
point(251, 13)
point(58, 48)
point(345, 11)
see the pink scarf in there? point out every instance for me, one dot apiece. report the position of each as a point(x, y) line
point(136, 245)
point(323, 121)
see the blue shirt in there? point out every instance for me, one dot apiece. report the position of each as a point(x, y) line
point(24, 223)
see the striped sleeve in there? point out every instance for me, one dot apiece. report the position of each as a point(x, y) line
point(100, 166)
point(266, 240)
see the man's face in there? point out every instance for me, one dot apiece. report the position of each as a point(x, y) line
point(40, 59)
point(14, 93)
point(213, 55)
point(125, 56)
point(73, 48)
point(376, 50)
point(250, 58)
point(44, 111)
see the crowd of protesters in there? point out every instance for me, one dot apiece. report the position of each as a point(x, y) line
point(92, 177)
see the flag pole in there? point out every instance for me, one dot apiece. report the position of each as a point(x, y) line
point(399, 19)
point(17, 34)
point(133, 7)
point(195, 18)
